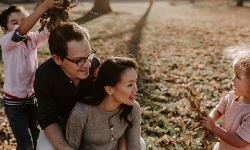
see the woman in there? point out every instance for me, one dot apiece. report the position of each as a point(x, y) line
point(100, 119)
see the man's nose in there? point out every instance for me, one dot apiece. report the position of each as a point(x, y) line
point(87, 64)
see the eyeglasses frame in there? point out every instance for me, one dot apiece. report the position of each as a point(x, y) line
point(76, 62)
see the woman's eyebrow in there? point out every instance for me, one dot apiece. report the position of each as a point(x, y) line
point(13, 20)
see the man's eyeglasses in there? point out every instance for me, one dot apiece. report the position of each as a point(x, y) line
point(81, 61)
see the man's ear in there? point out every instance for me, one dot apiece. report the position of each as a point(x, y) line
point(57, 59)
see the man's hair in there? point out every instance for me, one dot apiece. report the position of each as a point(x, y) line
point(60, 36)
point(6, 13)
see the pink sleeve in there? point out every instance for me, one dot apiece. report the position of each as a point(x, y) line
point(244, 129)
point(40, 37)
point(221, 107)
point(6, 41)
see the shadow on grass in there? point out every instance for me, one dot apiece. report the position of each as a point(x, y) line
point(137, 33)
point(88, 17)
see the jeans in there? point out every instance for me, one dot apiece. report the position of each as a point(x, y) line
point(23, 123)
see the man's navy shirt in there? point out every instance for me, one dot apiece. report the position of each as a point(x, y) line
point(55, 92)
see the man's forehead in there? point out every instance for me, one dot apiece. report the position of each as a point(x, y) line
point(77, 43)
point(78, 48)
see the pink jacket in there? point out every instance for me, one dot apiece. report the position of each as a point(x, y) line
point(237, 120)
point(20, 62)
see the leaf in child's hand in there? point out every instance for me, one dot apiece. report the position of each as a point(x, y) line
point(191, 92)
point(211, 137)
point(208, 147)
point(200, 130)
point(204, 113)
point(197, 118)
point(189, 139)
point(193, 104)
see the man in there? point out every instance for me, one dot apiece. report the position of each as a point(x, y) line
point(61, 81)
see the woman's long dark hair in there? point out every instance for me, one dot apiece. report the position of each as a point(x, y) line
point(109, 74)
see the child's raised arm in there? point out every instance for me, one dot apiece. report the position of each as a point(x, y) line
point(31, 20)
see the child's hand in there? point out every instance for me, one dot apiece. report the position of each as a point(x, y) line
point(47, 4)
point(207, 122)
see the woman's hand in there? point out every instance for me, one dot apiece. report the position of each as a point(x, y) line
point(207, 122)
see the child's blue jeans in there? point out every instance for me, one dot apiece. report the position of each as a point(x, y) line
point(23, 123)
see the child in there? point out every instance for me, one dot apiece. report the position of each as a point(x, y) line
point(19, 54)
point(235, 130)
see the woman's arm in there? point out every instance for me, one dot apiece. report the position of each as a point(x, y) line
point(31, 20)
point(230, 138)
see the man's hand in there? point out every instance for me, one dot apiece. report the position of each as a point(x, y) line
point(56, 137)
point(207, 122)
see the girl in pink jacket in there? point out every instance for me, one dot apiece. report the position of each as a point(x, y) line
point(235, 107)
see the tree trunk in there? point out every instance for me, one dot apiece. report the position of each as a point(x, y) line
point(101, 6)
point(10, 2)
point(239, 2)
point(191, 1)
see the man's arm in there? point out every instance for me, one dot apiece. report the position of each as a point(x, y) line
point(48, 108)
point(56, 137)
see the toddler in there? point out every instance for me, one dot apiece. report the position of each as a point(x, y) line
point(235, 130)
point(19, 54)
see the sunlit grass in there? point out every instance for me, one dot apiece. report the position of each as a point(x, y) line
point(179, 46)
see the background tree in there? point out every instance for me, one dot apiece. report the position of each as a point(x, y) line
point(10, 2)
point(239, 3)
point(101, 7)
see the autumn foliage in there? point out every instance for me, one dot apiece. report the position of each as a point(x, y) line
point(177, 47)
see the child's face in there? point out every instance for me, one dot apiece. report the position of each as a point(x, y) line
point(14, 18)
point(241, 81)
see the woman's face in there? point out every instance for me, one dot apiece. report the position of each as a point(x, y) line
point(125, 89)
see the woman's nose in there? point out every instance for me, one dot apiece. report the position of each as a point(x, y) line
point(135, 89)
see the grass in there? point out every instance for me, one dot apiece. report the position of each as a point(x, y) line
point(176, 46)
